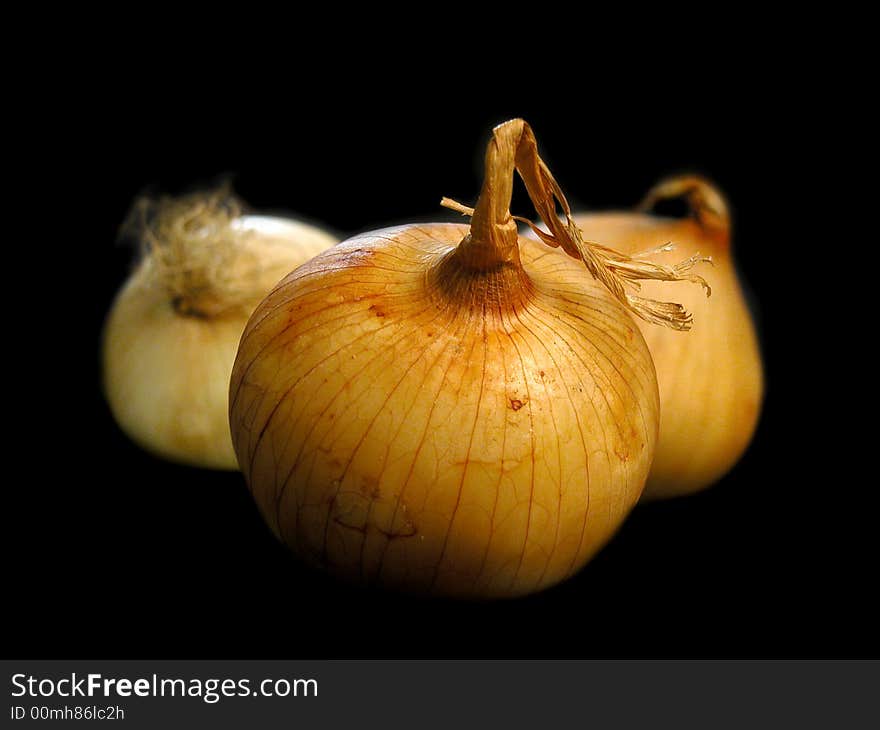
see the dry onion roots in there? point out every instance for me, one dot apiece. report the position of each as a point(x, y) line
point(173, 330)
point(454, 409)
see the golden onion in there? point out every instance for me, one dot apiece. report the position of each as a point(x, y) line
point(453, 409)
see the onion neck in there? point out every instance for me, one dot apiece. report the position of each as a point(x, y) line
point(492, 240)
point(705, 204)
point(196, 306)
point(464, 289)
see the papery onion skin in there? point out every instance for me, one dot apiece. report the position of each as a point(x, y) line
point(710, 378)
point(166, 366)
point(405, 423)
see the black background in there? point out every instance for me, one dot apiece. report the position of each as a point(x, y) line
point(116, 554)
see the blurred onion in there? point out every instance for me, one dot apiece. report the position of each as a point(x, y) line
point(171, 335)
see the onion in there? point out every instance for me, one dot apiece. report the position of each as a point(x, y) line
point(451, 409)
point(171, 335)
point(711, 381)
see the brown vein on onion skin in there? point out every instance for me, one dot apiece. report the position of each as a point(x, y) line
point(402, 326)
point(418, 451)
point(354, 452)
point(277, 340)
point(570, 272)
point(254, 325)
point(614, 344)
point(402, 265)
point(266, 348)
point(467, 455)
point(306, 279)
point(382, 351)
point(276, 299)
point(398, 324)
point(297, 461)
point(382, 407)
point(366, 243)
point(455, 231)
point(343, 276)
point(461, 325)
point(522, 554)
point(253, 446)
point(503, 447)
point(253, 329)
point(399, 498)
point(437, 315)
point(577, 415)
point(597, 373)
point(626, 380)
point(529, 313)
point(642, 368)
point(404, 235)
point(611, 325)
point(441, 248)
point(573, 351)
point(300, 274)
point(555, 431)
point(506, 333)
point(577, 552)
point(637, 401)
point(461, 321)
point(405, 335)
point(285, 303)
point(578, 354)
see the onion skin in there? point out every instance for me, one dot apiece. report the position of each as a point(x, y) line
point(166, 374)
point(404, 421)
point(180, 362)
point(711, 378)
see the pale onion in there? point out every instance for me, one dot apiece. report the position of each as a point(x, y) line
point(172, 333)
point(451, 409)
point(711, 380)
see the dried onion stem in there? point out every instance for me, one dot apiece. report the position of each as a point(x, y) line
point(494, 232)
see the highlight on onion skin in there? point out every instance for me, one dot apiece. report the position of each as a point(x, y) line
point(711, 380)
point(451, 409)
point(170, 338)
